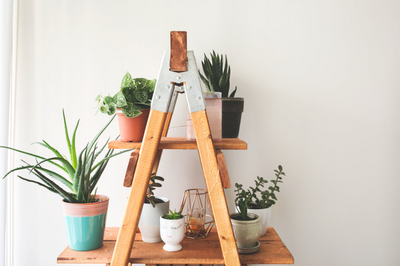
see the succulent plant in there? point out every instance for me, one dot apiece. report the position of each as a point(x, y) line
point(217, 74)
point(78, 176)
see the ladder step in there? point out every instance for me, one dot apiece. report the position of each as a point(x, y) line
point(130, 171)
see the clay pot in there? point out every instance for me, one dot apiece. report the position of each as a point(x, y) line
point(132, 129)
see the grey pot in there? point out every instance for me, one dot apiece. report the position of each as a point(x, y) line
point(246, 233)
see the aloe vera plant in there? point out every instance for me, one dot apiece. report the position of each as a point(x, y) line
point(79, 174)
point(217, 74)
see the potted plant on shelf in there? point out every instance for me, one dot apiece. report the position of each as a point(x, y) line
point(262, 200)
point(246, 226)
point(216, 78)
point(84, 210)
point(172, 229)
point(153, 208)
point(132, 105)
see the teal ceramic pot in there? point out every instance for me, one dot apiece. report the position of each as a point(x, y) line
point(86, 223)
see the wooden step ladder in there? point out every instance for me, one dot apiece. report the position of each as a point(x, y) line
point(178, 74)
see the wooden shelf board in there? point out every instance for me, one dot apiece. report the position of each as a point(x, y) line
point(181, 143)
point(199, 251)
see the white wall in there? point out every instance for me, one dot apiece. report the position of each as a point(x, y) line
point(321, 86)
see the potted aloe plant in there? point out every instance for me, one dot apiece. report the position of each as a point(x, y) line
point(172, 230)
point(216, 78)
point(153, 208)
point(76, 180)
point(132, 105)
point(263, 199)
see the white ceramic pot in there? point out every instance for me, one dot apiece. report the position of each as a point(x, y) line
point(172, 233)
point(247, 232)
point(265, 216)
point(149, 223)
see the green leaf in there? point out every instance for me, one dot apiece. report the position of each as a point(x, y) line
point(119, 99)
point(126, 81)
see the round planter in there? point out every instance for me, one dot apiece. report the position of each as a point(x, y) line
point(172, 233)
point(132, 129)
point(232, 109)
point(149, 223)
point(265, 216)
point(85, 223)
point(246, 233)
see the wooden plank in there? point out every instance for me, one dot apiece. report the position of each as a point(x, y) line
point(181, 143)
point(223, 170)
point(131, 168)
point(214, 187)
point(194, 251)
point(163, 134)
point(140, 183)
point(178, 58)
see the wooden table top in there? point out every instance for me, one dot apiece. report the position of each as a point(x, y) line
point(198, 251)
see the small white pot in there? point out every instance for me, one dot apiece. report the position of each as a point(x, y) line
point(149, 223)
point(265, 216)
point(172, 233)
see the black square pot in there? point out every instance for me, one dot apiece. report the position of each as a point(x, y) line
point(232, 109)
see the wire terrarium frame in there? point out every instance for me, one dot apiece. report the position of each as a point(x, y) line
point(197, 211)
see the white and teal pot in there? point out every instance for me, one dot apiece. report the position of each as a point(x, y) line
point(85, 223)
point(265, 216)
point(149, 223)
point(246, 232)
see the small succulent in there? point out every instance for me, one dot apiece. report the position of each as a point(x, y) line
point(150, 191)
point(217, 74)
point(173, 215)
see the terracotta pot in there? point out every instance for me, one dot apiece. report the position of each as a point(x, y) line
point(132, 129)
point(85, 223)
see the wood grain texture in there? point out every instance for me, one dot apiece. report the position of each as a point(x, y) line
point(181, 143)
point(178, 57)
point(163, 134)
point(194, 251)
point(223, 170)
point(214, 187)
point(130, 170)
point(140, 183)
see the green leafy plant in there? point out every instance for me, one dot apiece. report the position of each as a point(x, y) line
point(242, 200)
point(135, 95)
point(266, 198)
point(217, 74)
point(80, 174)
point(153, 184)
point(255, 197)
point(173, 215)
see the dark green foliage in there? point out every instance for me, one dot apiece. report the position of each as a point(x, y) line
point(173, 215)
point(256, 197)
point(80, 174)
point(150, 191)
point(135, 95)
point(217, 74)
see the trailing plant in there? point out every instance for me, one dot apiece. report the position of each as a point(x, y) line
point(173, 215)
point(79, 173)
point(150, 198)
point(135, 95)
point(217, 74)
point(255, 197)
